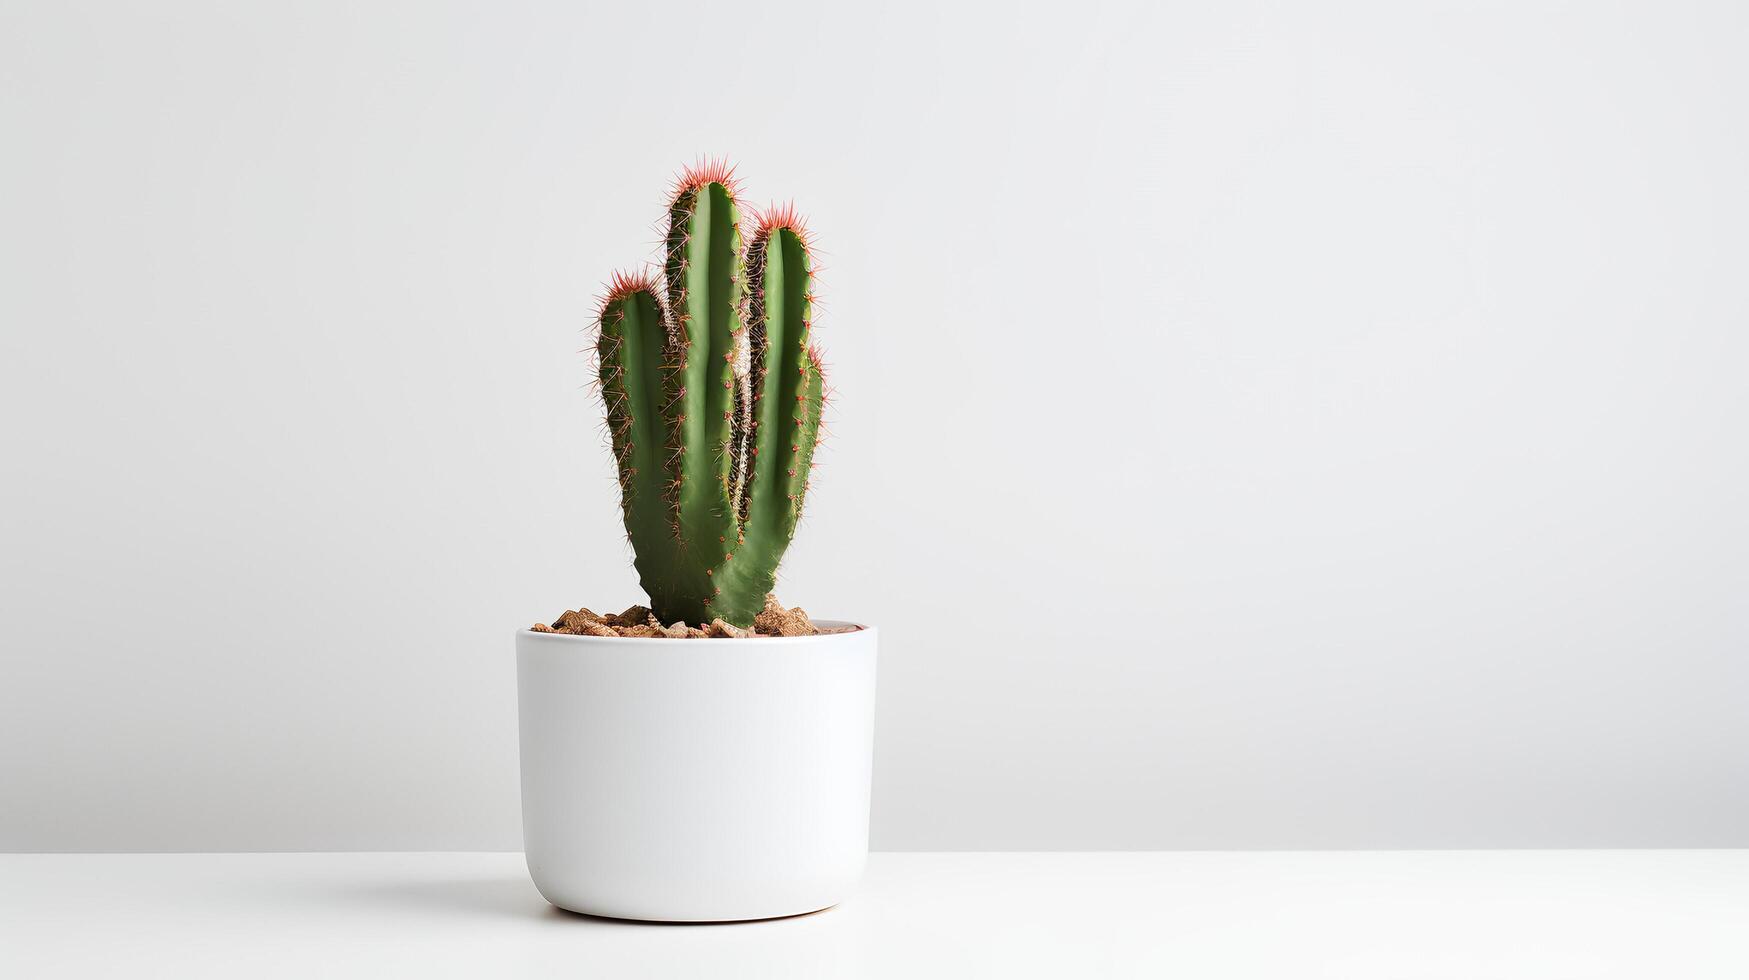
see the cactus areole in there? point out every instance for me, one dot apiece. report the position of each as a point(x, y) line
point(713, 399)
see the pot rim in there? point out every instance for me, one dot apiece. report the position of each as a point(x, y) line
point(862, 629)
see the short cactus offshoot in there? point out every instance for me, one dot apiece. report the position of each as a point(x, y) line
point(713, 442)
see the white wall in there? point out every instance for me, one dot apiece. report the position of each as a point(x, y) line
point(1259, 426)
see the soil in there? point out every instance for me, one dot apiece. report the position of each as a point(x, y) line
point(774, 620)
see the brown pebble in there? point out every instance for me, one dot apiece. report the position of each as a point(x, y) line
point(718, 628)
point(576, 618)
point(775, 620)
point(633, 616)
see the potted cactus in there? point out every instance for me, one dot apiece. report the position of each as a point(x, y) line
point(704, 758)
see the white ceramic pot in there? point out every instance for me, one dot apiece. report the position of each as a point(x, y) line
point(696, 780)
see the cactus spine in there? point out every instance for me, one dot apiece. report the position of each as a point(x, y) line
point(713, 444)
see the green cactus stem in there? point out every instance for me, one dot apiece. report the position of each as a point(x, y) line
point(713, 445)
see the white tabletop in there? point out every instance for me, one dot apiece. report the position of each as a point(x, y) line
point(1477, 915)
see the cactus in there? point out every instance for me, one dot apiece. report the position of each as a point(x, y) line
point(713, 443)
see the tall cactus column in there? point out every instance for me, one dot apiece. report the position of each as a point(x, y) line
point(703, 273)
point(713, 464)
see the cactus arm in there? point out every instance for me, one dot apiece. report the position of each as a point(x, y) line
point(704, 287)
point(632, 334)
point(815, 399)
point(787, 390)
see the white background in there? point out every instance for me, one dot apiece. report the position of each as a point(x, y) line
point(1259, 426)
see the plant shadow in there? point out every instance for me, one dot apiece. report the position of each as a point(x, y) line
point(509, 897)
point(498, 897)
